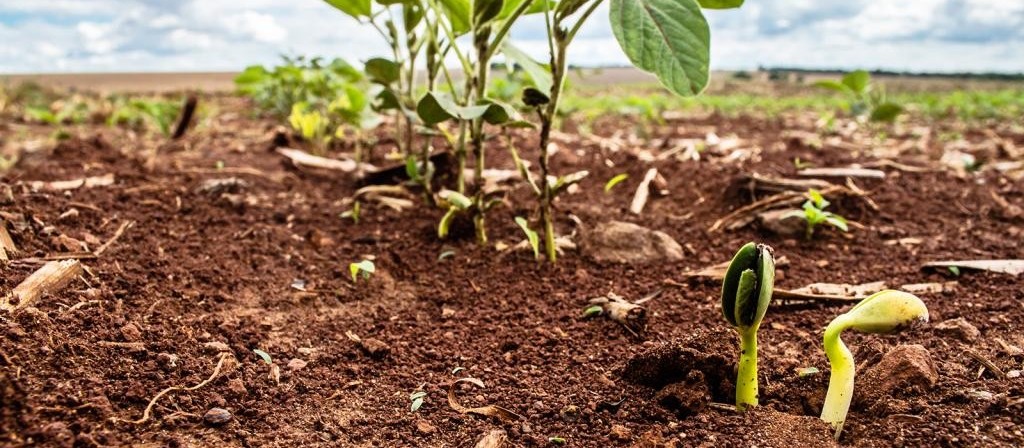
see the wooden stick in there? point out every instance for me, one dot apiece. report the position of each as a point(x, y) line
point(7, 247)
point(46, 280)
point(301, 158)
point(642, 192)
point(187, 111)
point(62, 185)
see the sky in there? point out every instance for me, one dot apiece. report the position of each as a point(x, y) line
point(53, 36)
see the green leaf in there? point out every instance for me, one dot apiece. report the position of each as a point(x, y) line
point(538, 73)
point(264, 355)
point(743, 260)
point(561, 183)
point(886, 112)
point(412, 168)
point(567, 8)
point(536, 7)
point(486, 10)
point(615, 181)
point(436, 107)
point(669, 38)
point(456, 199)
point(720, 4)
point(833, 85)
point(383, 71)
point(858, 81)
point(458, 14)
point(354, 8)
point(499, 113)
point(365, 267)
point(531, 236)
point(592, 311)
point(837, 221)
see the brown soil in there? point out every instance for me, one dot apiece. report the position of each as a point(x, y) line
point(203, 272)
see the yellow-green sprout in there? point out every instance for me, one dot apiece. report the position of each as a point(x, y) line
point(884, 312)
point(746, 292)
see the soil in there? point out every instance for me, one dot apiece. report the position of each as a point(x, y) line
point(210, 274)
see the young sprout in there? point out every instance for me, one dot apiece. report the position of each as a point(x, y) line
point(746, 292)
point(364, 267)
point(615, 181)
point(884, 312)
point(814, 213)
point(531, 236)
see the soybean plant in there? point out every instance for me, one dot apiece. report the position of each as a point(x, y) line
point(669, 38)
point(746, 292)
point(884, 312)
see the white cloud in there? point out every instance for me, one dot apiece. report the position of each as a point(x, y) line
point(166, 35)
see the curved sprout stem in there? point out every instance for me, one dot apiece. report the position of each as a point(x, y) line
point(746, 380)
point(840, 385)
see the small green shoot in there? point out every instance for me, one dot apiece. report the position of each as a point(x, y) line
point(458, 203)
point(445, 255)
point(365, 267)
point(884, 312)
point(814, 214)
point(866, 100)
point(746, 292)
point(531, 236)
point(263, 355)
point(352, 213)
point(807, 371)
point(557, 440)
point(593, 311)
point(416, 399)
point(955, 270)
point(615, 181)
point(800, 164)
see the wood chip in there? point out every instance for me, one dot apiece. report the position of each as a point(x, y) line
point(494, 439)
point(7, 247)
point(302, 158)
point(488, 411)
point(841, 289)
point(1013, 267)
point(843, 172)
point(62, 185)
point(643, 191)
point(929, 288)
point(48, 279)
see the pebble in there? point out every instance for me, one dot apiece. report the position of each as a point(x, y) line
point(424, 427)
point(904, 369)
point(237, 386)
point(296, 364)
point(1013, 374)
point(375, 347)
point(620, 432)
point(217, 416)
point(958, 328)
point(216, 347)
point(131, 333)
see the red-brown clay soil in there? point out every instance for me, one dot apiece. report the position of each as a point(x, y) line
point(210, 274)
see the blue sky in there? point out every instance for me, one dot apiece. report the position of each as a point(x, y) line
point(199, 35)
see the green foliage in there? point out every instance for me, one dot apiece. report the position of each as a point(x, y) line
point(311, 125)
point(531, 236)
point(138, 112)
point(458, 202)
point(669, 38)
point(814, 214)
point(366, 268)
point(865, 99)
point(336, 86)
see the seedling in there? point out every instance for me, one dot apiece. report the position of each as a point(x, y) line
point(615, 181)
point(457, 203)
point(814, 214)
point(746, 292)
point(263, 355)
point(416, 399)
point(884, 312)
point(365, 267)
point(865, 99)
point(531, 236)
point(311, 125)
point(352, 213)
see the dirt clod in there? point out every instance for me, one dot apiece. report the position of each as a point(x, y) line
point(620, 432)
point(374, 347)
point(623, 242)
point(904, 370)
point(958, 328)
point(686, 397)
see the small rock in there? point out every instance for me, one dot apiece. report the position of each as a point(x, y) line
point(981, 395)
point(958, 328)
point(217, 416)
point(296, 364)
point(904, 369)
point(168, 360)
point(375, 347)
point(71, 215)
point(216, 347)
point(1013, 374)
point(237, 386)
point(131, 333)
point(623, 242)
point(620, 432)
point(216, 187)
point(424, 427)
point(783, 222)
point(570, 413)
point(447, 312)
point(58, 434)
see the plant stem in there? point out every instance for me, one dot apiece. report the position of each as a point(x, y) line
point(746, 379)
point(840, 384)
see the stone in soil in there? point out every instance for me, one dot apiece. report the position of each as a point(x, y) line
point(958, 328)
point(623, 242)
point(904, 370)
point(217, 416)
point(376, 348)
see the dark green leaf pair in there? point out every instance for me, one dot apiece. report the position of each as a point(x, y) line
point(748, 284)
point(436, 107)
